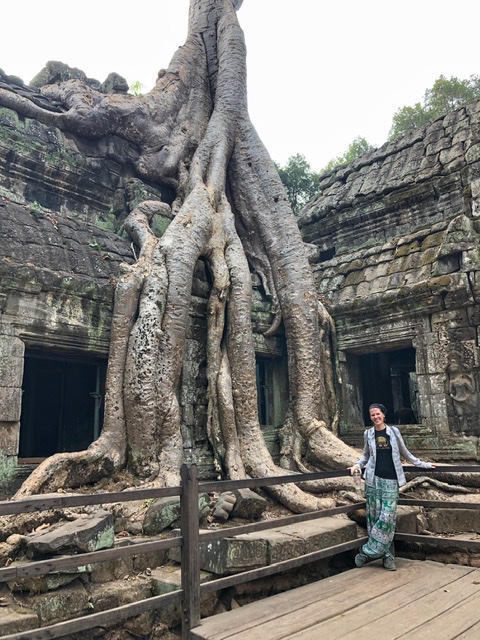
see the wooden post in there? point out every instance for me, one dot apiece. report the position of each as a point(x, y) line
point(190, 551)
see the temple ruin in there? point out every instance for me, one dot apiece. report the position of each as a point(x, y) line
point(393, 239)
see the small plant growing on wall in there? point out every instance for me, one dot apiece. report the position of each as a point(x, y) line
point(8, 466)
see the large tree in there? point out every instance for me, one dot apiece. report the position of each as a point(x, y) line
point(230, 210)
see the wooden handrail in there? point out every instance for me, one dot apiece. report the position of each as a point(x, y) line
point(189, 540)
point(63, 501)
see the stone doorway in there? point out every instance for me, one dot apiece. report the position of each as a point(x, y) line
point(272, 398)
point(390, 377)
point(272, 389)
point(62, 404)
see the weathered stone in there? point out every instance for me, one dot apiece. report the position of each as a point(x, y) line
point(169, 578)
point(407, 519)
point(17, 620)
point(110, 570)
point(453, 520)
point(252, 550)
point(224, 506)
point(63, 604)
point(249, 505)
point(306, 537)
point(121, 592)
point(162, 513)
point(86, 533)
point(145, 561)
point(228, 555)
point(48, 582)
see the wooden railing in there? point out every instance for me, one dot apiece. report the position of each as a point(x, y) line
point(188, 597)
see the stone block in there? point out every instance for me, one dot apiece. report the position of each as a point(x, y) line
point(407, 519)
point(63, 604)
point(9, 437)
point(311, 536)
point(164, 512)
point(111, 570)
point(252, 550)
point(249, 505)
point(229, 555)
point(437, 385)
point(50, 581)
point(453, 520)
point(12, 351)
point(115, 594)
point(121, 592)
point(10, 403)
point(86, 533)
point(17, 621)
point(168, 579)
point(150, 560)
point(282, 544)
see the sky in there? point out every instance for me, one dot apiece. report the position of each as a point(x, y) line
point(320, 72)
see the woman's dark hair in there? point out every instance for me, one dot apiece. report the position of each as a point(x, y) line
point(377, 405)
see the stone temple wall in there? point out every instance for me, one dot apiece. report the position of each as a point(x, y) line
point(395, 250)
point(393, 240)
point(62, 203)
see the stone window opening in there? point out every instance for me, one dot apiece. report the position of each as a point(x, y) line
point(62, 403)
point(327, 254)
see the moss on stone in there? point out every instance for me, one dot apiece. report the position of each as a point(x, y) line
point(429, 256)
point(406, 249)
point(433, 240)
point(440, 282)
point(354, 278)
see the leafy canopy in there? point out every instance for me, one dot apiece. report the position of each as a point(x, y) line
point(357, 148)
point(302, 184)
point(446, 95)
point(299, 180)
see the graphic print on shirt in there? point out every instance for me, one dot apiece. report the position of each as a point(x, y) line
point(382, 440)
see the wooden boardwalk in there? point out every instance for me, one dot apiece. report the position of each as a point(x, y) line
point(419, 601)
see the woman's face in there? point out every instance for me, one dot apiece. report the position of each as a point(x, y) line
point(377, 416)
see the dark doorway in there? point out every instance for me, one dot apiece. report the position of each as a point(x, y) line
point(272, 398)
point(389, 377)
point(62, 407)
point(272, 389)
point(264, 391)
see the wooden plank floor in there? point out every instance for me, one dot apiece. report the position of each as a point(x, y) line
point(419, 601)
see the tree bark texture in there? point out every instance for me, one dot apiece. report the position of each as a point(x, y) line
point(230, 210)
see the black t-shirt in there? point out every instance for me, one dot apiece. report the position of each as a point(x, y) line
point(384, 467)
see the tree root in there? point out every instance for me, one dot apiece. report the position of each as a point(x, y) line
point(433, 482)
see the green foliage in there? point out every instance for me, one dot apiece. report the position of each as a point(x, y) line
point(446, 95)
point(357, 148)
point(36, 211)
point(408, 119)
point(299, 180)
point(136, 88)
point(8, 467)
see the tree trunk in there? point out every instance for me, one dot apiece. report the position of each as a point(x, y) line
point(231, 210)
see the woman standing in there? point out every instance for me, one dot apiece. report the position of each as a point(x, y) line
point(383, 446)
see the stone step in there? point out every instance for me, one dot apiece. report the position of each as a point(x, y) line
point(254, 550)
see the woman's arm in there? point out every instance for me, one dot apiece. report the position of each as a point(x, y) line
point(407, 454)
